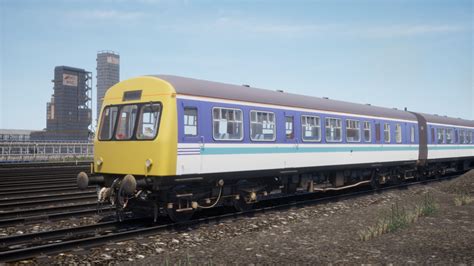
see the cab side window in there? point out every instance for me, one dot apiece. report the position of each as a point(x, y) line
point(190, 121)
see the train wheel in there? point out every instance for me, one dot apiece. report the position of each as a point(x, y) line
point(421, 176)
point(177, 217)
point(241, 204)
point(374, 182)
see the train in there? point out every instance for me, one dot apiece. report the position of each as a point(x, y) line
point(172, 145)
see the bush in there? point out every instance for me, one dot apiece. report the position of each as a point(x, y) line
point(399, 217)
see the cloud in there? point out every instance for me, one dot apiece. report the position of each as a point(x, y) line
point(230, 24)
point(373, 31)
point(405, 30)
point(107, 15)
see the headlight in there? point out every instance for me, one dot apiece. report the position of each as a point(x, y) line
point(148, 163)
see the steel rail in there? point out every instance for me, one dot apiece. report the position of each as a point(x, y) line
point(27, 189)
point(62, 234)
point(47, 211)
point(39, 202)
point(52, 216)
point(41, 191)
point(57, 196)
point(39, 182)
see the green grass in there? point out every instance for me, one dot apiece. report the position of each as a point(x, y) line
point(463, 199)
point(399, 217)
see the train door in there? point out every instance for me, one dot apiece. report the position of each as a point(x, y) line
point(291, 124)
point(378, 137)
point(193, 139)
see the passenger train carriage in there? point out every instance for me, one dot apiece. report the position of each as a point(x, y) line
point(178, 145)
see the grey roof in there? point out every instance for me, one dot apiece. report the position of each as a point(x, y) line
point(16, 131)
point(197, 87)
point(448, 120)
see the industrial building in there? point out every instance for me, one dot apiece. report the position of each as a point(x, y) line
point(15, 134)
point(108, 74)
point(69, 113)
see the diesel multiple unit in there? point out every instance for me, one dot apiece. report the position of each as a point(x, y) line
point(177, 145)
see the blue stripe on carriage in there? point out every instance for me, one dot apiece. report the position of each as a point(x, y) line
point(267, 150)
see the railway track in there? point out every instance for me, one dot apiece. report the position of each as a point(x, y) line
point(33, 190)
point(39, 191)
point(15, 248)
point(20, 206)
point(57, 213)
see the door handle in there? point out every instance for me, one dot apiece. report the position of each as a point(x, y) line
point(201, 142)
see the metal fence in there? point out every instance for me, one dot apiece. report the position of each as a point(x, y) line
point(19, 151)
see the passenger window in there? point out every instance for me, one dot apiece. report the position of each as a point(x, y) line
point(262, 126)
point(126, 122)
point(433, 140)
point(440, 132)
point(352, 130)
point(367, 132)
point(289, 124)
point(333, 130)
point(107, 122)
point(462, 139)
point(471, 137)
point(311, 128)
point(398, 133)
point(190, 121)
point(227, 124)
point(386, 133)
point(449, 135)
point(412, 134)
point(148, 123)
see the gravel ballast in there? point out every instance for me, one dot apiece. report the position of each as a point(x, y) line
point(321, 233)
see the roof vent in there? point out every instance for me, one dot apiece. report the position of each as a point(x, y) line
point(280, 90)
point(368, 104)
point(406, 109)
point(246, 85)
point(327, 98)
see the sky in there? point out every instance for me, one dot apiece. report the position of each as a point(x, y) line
point(393, 53)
